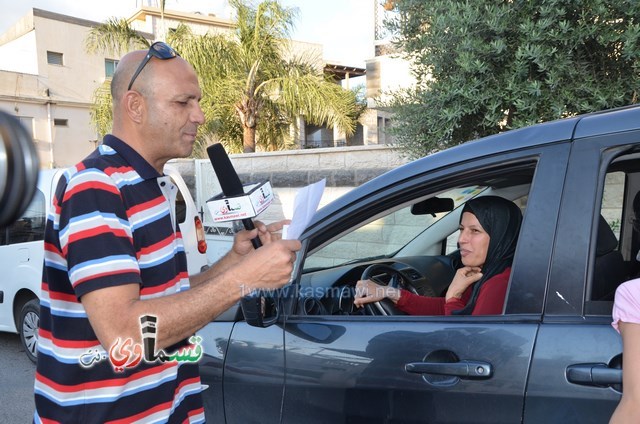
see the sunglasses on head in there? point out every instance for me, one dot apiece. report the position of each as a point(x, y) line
point(159, 50)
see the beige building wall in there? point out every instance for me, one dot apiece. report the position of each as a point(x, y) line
point(387, 71)
point(150, 20)
point(53, 100)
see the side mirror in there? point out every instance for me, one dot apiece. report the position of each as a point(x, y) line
point(259, 310)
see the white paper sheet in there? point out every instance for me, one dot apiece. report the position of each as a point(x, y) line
point(304, 207)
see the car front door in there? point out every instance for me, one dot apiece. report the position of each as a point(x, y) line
point(242, 371)
point(428, 369)
point(407, 370)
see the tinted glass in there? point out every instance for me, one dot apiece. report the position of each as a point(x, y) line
point(30, 226)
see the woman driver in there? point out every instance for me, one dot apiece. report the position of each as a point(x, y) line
point(489, 228)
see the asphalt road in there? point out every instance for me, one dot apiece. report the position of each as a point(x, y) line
point(16, 381)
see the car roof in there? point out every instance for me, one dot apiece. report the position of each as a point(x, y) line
point(582, 126)
point(609, 122)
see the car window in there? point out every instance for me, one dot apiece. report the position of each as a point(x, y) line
point(616, 240)
point(612, 201)
point(416, 234)
point(385, 236)
point(30, 226)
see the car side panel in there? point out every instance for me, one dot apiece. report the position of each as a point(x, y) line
point(215, 340)
point(21, 272)
point(253, 375)
point(361, 374)
point(553, 396)
point(355, 371)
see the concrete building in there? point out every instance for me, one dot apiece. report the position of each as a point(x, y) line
point(48, 80)
point(386, 71)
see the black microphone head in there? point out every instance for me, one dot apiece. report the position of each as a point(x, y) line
point(227, 176)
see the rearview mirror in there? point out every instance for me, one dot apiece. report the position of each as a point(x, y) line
point(432, 206)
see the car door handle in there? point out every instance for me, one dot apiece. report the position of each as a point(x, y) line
point(461, 369)
point(593, 374)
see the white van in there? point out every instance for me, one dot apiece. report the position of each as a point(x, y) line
point(21, 260)
point(190, 223)
point(22, 255)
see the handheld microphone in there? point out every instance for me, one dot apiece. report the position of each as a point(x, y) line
point(229, 181)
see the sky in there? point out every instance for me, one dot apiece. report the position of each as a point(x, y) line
point(345, 28)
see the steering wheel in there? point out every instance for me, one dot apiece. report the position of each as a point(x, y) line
point(397, 280)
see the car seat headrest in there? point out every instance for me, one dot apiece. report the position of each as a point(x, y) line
point(607, 240)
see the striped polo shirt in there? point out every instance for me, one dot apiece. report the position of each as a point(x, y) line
point(111, 223)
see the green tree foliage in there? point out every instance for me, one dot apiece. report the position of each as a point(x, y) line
point(486, 66)
point(253, 87)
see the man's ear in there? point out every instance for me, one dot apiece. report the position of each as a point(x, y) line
point(135, 106)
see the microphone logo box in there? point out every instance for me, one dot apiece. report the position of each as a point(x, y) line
point(256, 198)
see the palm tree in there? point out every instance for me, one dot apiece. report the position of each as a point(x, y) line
point(253, 90)
point(117, 37)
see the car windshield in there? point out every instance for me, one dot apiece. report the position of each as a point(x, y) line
point(396, 231)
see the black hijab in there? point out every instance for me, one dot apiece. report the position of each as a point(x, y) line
point(501, 219)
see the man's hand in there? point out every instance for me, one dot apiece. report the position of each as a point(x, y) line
point(268, 267)
point(267, 234)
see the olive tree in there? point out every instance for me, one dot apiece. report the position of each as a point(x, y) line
point(486, 66)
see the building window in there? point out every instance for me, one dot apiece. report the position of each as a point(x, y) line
point(383, 136)
point(110, 66)
point(317, 136)
point(54, 58)
point(357, 139)
point(61, 122)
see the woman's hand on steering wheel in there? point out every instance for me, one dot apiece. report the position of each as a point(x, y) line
point(367, 292)
point(380, 297)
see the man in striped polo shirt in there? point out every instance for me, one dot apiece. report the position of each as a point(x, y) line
point(114, 256)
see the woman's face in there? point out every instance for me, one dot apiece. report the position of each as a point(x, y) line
point(473, 241)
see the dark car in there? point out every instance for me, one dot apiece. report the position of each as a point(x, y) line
point(306, 355)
